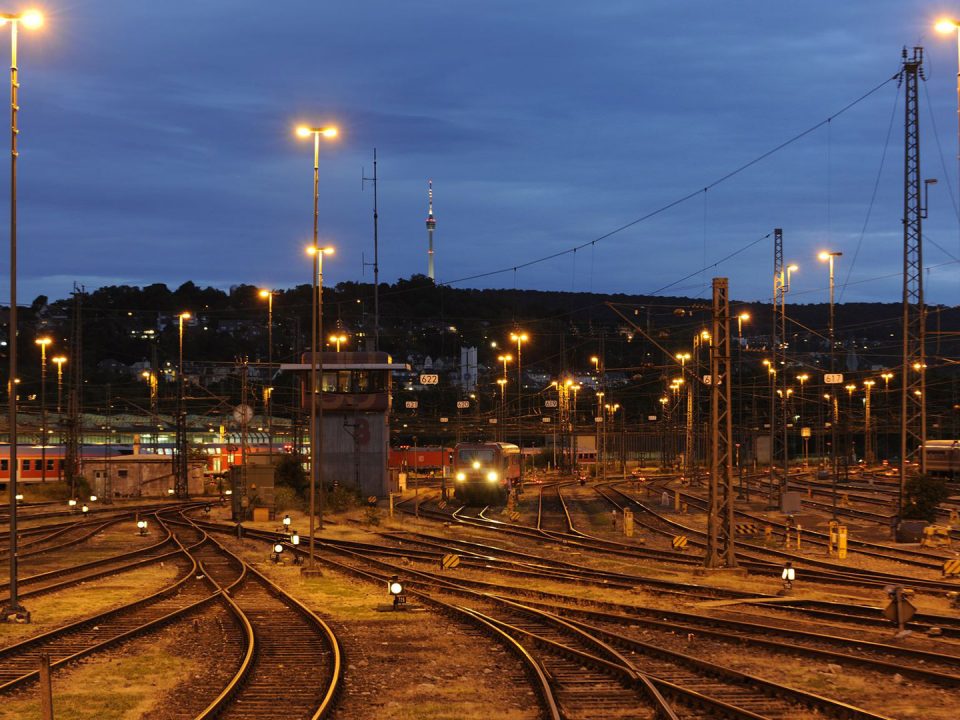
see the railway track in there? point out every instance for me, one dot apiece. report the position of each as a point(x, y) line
point(689, 686)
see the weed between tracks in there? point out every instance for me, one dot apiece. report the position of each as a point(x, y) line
point(123, 687)
point(50, 611)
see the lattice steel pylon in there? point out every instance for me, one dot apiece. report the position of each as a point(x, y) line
point(913, 397)
point(721, 549)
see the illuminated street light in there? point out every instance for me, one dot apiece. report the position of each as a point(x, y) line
point(43, 342)
point(519, 338)
point(338, 339)
point(29, 19)
point(268, 394)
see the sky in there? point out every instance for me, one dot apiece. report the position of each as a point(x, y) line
point(157, 143)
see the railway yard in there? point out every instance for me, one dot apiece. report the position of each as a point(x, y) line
point(551, 610)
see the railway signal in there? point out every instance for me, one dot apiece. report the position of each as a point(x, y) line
point(788, 575)
point(395, 588)
point(142, 526)
point(900, 610)
point(277, 553)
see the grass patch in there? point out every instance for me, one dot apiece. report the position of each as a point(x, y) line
point(59, 608)
point(120, 688)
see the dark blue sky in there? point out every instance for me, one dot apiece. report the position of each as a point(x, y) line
point(157, 141)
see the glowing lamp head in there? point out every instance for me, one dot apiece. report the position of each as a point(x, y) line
point(43, 341)
point(278, 548)
point(823, 256)
point(93, 498)
point(945, 25)
point(303, 131)
point(330, 132)
point(295, 538)
point(744, 316)
point(461, 477)
point(286, 521)
point(71, 502)
point(264, 294)
point(394, 587)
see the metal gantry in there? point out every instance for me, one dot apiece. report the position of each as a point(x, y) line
point(913, 421)
point(721, 549)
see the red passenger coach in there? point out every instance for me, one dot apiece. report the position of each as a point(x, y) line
point(485, 472)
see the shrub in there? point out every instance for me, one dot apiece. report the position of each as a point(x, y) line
point(285, 498)
point(922, 495)
point(290, 474)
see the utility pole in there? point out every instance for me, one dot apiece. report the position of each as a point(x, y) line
point(913, 396)
point(376, 255)
point(721, 548)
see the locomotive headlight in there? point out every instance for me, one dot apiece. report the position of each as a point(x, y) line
point(476, 464)
point(492, 476)
point(461, 476)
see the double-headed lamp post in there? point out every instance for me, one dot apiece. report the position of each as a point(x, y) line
point(868, 452)
point(43, 342)
point(316, 330)
point(338, 339)
point(519, 338)
point(29, 19)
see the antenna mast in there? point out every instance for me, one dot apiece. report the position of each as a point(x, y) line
point(376, 258)
point(431, 226)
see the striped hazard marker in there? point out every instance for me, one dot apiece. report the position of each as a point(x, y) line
point(448, 562)
point(951, 567)
point(679, 542)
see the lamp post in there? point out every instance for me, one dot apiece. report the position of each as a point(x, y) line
point(59, 360)
point(337, 339)
point(868, 454)
point(316, 405)
point(30, 19)
point(519, 338)
point(829, 257)
point(268, 391)
point(502, 382)
point(802, 378)
point(43, 342)
point(945, 26)
point(575, 460)
point(316, 331)
point(181, 450)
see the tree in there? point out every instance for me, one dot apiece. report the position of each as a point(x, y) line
point(923, 494)
point(290, 474)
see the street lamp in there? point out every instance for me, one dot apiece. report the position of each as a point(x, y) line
point(316, 330)
point(59, 360)
point(945, 26)
point(338, 339)
point(829, 257)
point(43, 342)
point(519, 338)
point(181, 449)
point(268, 394)
point(29, 19)
point(316, 370)
point(868, 454)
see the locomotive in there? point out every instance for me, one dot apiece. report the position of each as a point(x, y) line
point(485, 472)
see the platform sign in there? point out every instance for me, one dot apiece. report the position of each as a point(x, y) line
point(550, 403)
point(463, 404)
point(411, 404)
point(833, 378)
point(652, 418)
point(429, 379)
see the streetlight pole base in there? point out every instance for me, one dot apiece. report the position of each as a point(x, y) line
point(15, 613)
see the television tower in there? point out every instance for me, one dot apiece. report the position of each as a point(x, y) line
point(431, 226)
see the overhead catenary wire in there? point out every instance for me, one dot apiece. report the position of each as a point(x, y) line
point(679, 201)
